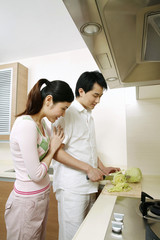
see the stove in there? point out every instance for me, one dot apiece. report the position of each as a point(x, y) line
point(149, 207)
point(135, 219)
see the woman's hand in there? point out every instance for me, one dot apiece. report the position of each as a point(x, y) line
point(56, 139)
point(55, 142)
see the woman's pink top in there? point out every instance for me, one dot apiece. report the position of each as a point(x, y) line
point(28, 147)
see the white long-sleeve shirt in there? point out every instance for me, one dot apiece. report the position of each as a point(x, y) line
point(28, 147)
point(80, 143)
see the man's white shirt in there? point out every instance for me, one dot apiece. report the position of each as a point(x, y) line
point(80, 142)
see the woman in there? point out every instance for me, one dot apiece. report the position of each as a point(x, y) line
point(32, 149)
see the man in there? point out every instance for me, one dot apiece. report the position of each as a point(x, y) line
point(78, 159)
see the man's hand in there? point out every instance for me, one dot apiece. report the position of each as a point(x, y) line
point(95, 174)
point(108, 170)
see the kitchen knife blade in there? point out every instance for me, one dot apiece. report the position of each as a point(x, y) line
point(109, 177)
point(105, 177)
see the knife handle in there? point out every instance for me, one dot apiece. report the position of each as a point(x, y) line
point(88, 177)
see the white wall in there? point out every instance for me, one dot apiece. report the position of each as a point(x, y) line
point(110, 124)
point(109, 115)
point(143, 135)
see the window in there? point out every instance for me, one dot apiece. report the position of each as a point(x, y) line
point(13, 95)
point(5, 100)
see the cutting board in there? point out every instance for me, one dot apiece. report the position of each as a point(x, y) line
point(134, 192)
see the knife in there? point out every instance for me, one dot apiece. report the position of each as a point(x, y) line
point(109, 177)
point(105, 177)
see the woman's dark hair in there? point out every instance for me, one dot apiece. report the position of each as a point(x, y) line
point(88, 79)
point(59, 90)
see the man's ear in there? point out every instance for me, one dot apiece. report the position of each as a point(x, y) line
point(81, 92)
point(48, 100)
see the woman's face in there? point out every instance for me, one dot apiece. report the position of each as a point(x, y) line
point(55, 110)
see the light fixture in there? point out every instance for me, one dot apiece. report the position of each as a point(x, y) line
point(90, 28)
point(112, 79)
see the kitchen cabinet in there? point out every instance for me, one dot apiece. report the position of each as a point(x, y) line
point(13, 95)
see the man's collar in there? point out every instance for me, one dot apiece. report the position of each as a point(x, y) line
point(80, 107)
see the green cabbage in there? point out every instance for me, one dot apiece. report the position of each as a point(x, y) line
point(120, 180)
point(118, 177)
point(134, 173)
point(120, 183)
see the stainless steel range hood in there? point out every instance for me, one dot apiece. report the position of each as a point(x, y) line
point(123, 36)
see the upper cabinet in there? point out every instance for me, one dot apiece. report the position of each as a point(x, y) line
point(13, 95)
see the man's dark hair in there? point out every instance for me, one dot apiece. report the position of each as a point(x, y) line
point(88, 79)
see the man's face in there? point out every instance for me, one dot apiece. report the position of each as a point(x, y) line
point(91, 98)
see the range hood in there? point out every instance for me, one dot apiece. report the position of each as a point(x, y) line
point(123, 37)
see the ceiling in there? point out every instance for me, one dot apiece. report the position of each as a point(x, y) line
point(33, 28)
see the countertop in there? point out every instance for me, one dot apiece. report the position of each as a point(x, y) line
point(95, 224)
point(7, 172)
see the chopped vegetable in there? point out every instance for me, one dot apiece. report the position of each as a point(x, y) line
point(120, 187)
point(135, 174)
point(118, 177)
point(120, 183)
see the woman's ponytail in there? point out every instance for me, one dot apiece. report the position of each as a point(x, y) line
point(34, 101)
point(59, 90)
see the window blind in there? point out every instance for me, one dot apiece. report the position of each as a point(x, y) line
point(5, 100)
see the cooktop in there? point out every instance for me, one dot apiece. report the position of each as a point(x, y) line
point(127, 222)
